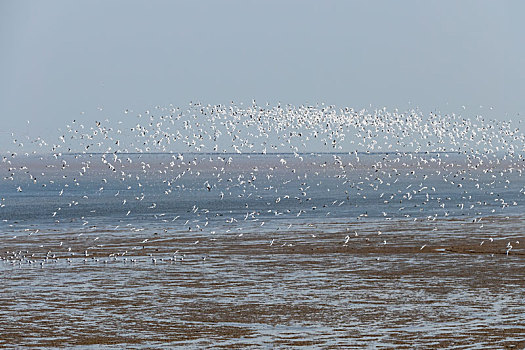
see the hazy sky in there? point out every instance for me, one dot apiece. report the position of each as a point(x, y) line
point(59, 58)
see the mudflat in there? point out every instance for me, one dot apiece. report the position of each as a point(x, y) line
point(308, 288)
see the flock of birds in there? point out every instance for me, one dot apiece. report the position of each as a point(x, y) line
point(252, 163)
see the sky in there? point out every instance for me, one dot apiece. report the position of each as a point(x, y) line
point(63, 58)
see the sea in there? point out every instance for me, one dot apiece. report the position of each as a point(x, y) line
point(277, 250)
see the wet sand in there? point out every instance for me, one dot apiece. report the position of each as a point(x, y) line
point(307, 289)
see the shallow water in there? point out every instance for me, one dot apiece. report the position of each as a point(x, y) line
point(341, 275)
